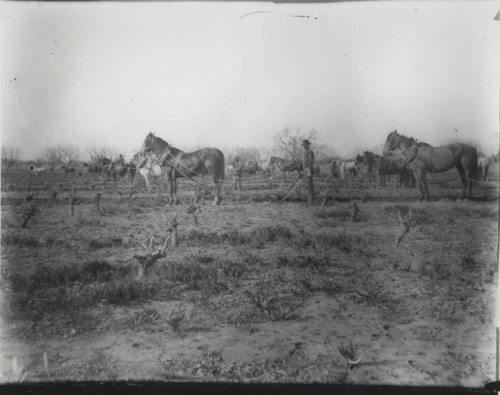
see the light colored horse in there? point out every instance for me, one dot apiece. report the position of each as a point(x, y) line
point(349, 167)
point(37, 170)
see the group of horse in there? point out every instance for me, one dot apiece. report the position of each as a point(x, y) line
point(404, 156)
point(112, 169)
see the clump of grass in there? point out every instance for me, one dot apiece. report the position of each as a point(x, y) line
point(442, 270)
point(342, 215)
point(350, 353)
point(143, 318)
point(311, 258)
point(19, 240)
point(233, 270)
point(205, 258)
point(467, 262)
point(197, 276)
point(261, 299)
point(257, 238)
point(283, 313)
point(282, 260)
point(107, 242)
point(98, 367)
point(271, 305)
point(125, 290)
point(175, 320)
point(210, 364)
point(326, 241)
point(62, 287)
point(248, 257)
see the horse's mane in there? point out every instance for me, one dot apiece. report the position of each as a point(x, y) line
point(158, 144)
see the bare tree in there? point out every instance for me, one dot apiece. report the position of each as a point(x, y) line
point(52, 156)
point(245, 154)
point(10, 156)
point(68, 154)
point(288, 142)
point(97, 153)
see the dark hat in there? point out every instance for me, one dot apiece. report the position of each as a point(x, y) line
point(306, 142)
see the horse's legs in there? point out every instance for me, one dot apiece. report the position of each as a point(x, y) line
point(176, 199)
point(485, 173)
point(218, 187)
point(420, 183)
point(171, 186)
point(424, 183)
point(466, 186)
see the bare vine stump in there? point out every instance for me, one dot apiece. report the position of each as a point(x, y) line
point(175, 235)
point(355, 211)
point(97, 201)
point(148, 260)
point(407, 222)
point(30, 211)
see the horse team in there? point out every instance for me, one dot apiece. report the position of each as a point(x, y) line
point(403, 156)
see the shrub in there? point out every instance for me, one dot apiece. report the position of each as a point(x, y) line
point(18, 240)
point(96, 244)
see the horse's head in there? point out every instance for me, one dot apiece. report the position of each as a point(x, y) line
point(392, 142)
point(147, 144)
point(153, 144)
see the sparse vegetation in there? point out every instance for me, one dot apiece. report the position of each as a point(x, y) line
point(277, 272)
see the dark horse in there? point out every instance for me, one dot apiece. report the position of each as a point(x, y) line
point(179, 164)
point(423, 158)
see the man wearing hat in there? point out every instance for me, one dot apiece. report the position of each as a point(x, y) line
point(308, 163)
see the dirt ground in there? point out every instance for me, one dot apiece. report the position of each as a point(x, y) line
point(257, 289)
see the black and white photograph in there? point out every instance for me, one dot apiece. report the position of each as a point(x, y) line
point(250, 192)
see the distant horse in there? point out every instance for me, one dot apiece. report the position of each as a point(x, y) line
point(349, 167)
point(36, 170)
point(179, 164)
point(423, 158)
point(370, 162)
point(123, 169)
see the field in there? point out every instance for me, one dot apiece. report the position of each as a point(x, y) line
point(257, 289)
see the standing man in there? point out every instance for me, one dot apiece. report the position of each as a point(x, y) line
point(308, 164)
point(237, 173)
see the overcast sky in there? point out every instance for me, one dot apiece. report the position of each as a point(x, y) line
point(208, 74)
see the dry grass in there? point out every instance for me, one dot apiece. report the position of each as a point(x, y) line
point(288, 271)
